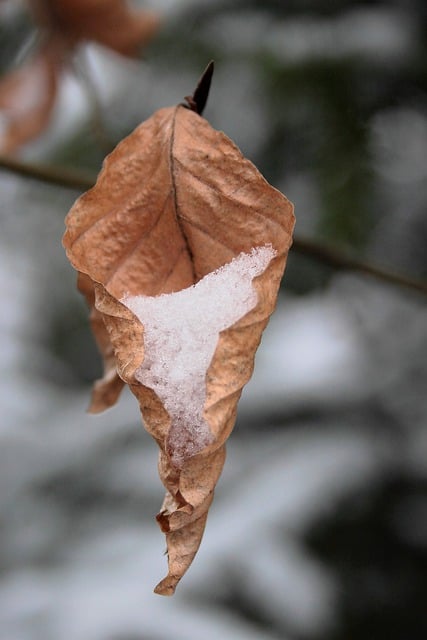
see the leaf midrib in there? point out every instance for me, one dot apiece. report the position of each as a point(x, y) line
point(173, 177)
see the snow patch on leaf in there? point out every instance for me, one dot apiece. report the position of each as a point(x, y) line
point(180, 335)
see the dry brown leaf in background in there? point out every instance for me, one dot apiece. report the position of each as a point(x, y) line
point(175, 201)
point(28, 94)
point(112, 23)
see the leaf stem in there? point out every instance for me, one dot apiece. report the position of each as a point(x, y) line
point(331, 256)
point(197, 102)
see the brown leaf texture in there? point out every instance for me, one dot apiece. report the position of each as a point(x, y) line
point(175, 201)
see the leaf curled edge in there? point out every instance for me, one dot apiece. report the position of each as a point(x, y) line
point(106, 391)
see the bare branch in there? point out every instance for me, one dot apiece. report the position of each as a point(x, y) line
point(100, 133)
point(340, 260)
point(60, 176)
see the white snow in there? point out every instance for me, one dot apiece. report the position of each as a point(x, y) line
point(181, 333)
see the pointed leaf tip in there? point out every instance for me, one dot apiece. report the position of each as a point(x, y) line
point(167, 586)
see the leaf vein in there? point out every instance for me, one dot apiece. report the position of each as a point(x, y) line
point(227, 196)
point(130, 251)
point(214, 238)
point(172, 160)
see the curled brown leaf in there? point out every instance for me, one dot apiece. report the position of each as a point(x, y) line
point(175, 201)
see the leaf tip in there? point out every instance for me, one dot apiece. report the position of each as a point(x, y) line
point(167, 586)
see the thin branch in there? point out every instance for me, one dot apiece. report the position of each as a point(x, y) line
point(81, 70)
point(60, 176)
point(83, 180)
point(340, 260)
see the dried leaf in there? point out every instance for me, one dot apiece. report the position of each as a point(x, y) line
point(28, 94)
point(27, 97)
point(110, 22)
point(175, 201)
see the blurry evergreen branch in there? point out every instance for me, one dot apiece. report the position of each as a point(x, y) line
point(327, 254)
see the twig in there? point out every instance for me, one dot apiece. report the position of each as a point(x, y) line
point(80, 67)
point(340, 260)
point(60, 176)
point(83, 180)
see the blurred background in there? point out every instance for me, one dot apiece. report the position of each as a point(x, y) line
point(318, 530)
